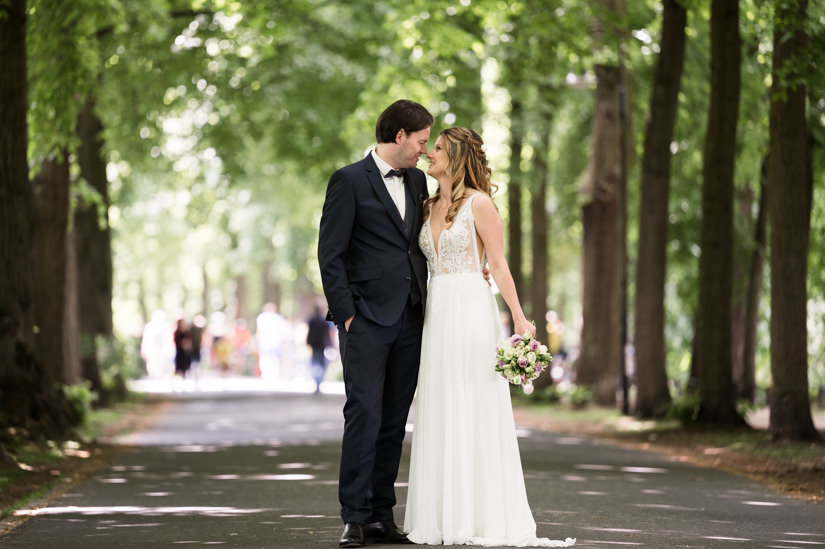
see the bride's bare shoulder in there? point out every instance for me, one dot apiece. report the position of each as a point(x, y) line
point(481, 201)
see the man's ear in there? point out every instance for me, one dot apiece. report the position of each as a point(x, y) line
point(399, 135)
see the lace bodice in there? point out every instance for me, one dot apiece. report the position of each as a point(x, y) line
point(457, 248)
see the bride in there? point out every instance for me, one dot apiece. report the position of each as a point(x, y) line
point(466, 485)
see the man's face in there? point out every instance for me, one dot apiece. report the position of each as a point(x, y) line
point(413, 145)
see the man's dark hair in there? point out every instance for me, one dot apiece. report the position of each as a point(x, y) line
point(402, 115)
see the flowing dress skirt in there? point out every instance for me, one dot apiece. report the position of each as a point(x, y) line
point(466, 485)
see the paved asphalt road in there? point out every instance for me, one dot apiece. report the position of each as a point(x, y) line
point(259, 470)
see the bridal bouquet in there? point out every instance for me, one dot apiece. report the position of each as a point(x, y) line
point(521, 358)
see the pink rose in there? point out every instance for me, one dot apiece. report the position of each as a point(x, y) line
point(534, 345)
point(515, 340)
point(522, 361)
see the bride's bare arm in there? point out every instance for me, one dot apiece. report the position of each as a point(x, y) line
point(488, 226)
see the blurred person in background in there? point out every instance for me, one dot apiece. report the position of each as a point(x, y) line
point(156, 346)
point(197, 332)
point(183, 348)
point(318, 339)
point(242, 341)
point(271, 331)
point(221, 342)
point(555, 333)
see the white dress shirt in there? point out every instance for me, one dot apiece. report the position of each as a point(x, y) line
point(395, 185)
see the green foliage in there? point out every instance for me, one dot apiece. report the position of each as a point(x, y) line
point(84, 196)
point(579, 396)
point(234, 140)
point(80, 397)
point(744, 407)
point(63, 68)
point(119, 362)
point(576, 396)
point(685, 409)
point(223, 120)
point(548, 395)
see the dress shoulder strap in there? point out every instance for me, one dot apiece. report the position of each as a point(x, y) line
point(479, 260)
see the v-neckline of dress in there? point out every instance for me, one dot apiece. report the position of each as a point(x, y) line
point(437, 241)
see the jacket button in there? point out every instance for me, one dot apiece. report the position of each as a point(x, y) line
point(407, 279)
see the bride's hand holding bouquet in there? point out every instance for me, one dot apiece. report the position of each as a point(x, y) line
point(521, 358)
point(522, 326)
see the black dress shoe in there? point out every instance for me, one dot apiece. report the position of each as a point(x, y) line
point(353, 535)
point(385, 531)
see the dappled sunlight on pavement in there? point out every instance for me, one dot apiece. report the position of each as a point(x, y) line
point(257, 468)
point(133, 510)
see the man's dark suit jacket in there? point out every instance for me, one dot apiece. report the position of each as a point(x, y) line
point(365, 250)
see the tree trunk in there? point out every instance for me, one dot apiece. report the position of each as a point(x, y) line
point(625, 148)
point(72, 365)
point(742, 251)
point(28, 397)
point(746, 384)
point(538, 234)
point(51, 200)
point(653, 396)
point(598, 364)
point(205, 296)
point(92, 226)
point(16, 200)
point(789, 204)
point(16, 197)
point(240, 296)
point(93, 247)
point(713, 330)
point(55, 275)
point(272, 288)
point(514, 234)
point(144, 310)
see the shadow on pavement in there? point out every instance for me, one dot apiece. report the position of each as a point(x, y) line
point(242, 468)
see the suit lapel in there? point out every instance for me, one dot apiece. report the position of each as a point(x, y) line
point(380, 188)
point(413, 208)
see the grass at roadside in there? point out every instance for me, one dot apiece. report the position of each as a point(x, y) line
point(796, 469)
point(48, 467)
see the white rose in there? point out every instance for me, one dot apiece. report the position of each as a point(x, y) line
point(543, 349)
point(508, 353)
point(531, 358)
point(520, 351)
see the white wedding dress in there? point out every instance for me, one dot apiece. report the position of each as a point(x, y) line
point(466, 485)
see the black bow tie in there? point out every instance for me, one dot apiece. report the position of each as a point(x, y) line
point(395, 173)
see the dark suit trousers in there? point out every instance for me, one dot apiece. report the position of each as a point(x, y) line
point(380, 375)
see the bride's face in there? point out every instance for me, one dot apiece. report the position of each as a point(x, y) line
point(438, 159)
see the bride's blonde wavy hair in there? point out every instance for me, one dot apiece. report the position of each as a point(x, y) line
point(467, 165)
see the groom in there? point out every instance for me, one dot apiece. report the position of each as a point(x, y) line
point(374, 277)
